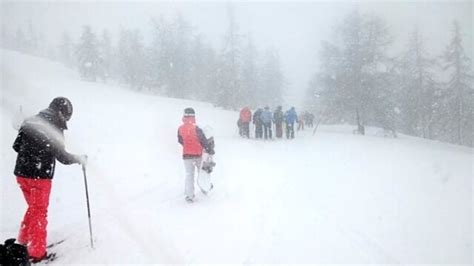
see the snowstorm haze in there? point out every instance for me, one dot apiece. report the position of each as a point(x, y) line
point(237, 132)
point(293, 29)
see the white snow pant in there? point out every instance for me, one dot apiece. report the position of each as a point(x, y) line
point(190, 165)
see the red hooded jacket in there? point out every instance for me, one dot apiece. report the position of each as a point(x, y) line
point(192, 138)
point(245, 115)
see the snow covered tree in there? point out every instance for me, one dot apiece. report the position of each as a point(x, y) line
point(203, 67)
point(419, 91)
point(321, 92)
point(180, 64)
point(87, 55)
point(20, 42)
point(272, 81)
point(8, 38)
point(105, 55)
point(66, 55)
point(250, 75)
point(32, 39)
point(131, 58)
point(352, 74)
point(170, 56)
point(27, 40)
point(459, 93)
point(159, 55)
point(229, 80)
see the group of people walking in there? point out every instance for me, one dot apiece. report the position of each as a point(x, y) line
point(264, 119)
point(306, 119)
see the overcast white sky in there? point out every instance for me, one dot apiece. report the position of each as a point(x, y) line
point(294, 28)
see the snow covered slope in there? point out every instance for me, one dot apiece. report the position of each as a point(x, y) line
point(331, 198)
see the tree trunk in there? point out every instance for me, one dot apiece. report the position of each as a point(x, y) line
point(360, 127)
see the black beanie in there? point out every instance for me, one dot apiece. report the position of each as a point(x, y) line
point(189, 111)
point(62, 105)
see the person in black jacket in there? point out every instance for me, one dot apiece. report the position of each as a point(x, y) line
point(258, 123)
point(278, 120)
point(40, 142)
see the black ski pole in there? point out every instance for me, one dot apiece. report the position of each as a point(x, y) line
point(321, 116)
point(316, 127)
point(88, 206)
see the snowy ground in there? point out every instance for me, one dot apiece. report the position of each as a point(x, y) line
point(331, 198)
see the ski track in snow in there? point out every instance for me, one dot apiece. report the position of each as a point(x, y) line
point(329, 198)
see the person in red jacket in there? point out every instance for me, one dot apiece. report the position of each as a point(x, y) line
point(193, 140)
point(245, 119)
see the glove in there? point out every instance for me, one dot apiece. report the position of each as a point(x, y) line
point(210, 146)
point(13, 253)
point(82, 159)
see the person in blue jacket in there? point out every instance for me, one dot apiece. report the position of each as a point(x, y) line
point(290, 118)
point(267, 118)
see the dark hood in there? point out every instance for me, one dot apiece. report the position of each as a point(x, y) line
point(54, 117)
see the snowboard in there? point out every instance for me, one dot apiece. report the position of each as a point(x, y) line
point(207, 165)
point(204, 176)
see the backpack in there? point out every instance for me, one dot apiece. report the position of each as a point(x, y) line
point(13, 254)
point(278, 116)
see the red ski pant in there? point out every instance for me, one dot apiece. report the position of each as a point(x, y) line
point(279, 130)
point(33, 227)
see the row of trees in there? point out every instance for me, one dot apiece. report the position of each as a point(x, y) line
point(27, 40)
point(358, 82)
point(175, 61)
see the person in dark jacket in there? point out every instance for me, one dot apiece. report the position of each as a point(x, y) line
point(267, 118)
point(257, 120)
point(240, 127)
point(309, 119)
point(278, 120)
point(290, 118)
point(40, 142)
point(301, 122)
point(193, 140)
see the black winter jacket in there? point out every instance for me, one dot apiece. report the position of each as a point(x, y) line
point(256, 117)
point(39, 143)
point(278, 117)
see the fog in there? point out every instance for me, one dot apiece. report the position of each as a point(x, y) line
point(237, 131)
point(404, 66)
point(294, 28)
